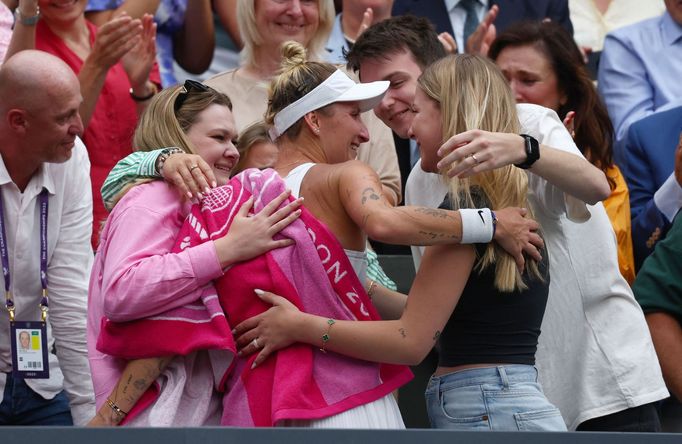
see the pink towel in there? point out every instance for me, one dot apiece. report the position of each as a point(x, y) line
point(299, 382)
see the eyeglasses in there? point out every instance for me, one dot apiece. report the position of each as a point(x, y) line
point(187, 88)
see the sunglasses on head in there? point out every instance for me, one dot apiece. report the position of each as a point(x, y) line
point(189, 87)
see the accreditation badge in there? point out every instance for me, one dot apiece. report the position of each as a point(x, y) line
point(29, 349)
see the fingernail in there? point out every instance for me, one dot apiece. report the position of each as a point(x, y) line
point(253, 365)
point(189, 195)
point(298, 212)
point(207, 190)
point(234, 331)
point(258, 291)
point(214, 184)
point(239, 353)
point(200, 196)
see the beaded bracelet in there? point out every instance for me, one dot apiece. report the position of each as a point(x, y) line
point(326, 337)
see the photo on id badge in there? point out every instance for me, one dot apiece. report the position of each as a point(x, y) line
point(29, 351)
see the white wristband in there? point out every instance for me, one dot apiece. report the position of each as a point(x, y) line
point(477, 225)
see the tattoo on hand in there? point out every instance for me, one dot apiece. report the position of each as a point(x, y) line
point(437, 335)
point(403, 333)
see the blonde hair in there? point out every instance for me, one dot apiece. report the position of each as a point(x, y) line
point(255, 133)
point(160, 125)
point(473, 94)
point(251, 36)
point(297, 78)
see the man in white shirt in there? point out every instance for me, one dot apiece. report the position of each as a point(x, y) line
point(46, 211)
point(595, 355)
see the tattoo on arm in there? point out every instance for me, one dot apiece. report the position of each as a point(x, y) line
point(369, 193)
point(141, 384)
point(436, 336)
point(403, 332)
point(442, 214)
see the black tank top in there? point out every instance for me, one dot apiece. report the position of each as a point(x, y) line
point(489, 326)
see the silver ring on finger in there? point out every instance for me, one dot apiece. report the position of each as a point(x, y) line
point(473, 156)
point(192, 167)
point(255, 343)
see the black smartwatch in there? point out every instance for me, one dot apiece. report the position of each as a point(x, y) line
point(532, 151)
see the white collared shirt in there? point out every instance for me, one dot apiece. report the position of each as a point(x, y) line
point(68, 270)
point(458, 16)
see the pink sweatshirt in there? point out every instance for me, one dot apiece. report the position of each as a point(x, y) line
point(135, 275)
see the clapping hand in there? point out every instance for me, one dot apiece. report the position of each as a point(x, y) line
point(139, 60)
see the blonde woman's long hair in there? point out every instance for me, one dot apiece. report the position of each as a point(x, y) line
point(251, 35)
point(473, 94)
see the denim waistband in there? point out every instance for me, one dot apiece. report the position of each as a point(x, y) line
point(501, 374)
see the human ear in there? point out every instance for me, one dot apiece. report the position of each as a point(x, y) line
point(17, 119)
point(311, 119)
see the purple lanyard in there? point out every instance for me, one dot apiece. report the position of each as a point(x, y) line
point(9, 302)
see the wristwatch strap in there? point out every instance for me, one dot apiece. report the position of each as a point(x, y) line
point(532, 148)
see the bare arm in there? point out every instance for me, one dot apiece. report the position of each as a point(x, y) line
point(433, 297)
point(194, 43)
point(666, 333)
point(569, 172)
point(23, 37)
point(134, 8)
point(114, 39)
point(361, 195)
point(227, 14)
point(136, 378)
point(390, 304)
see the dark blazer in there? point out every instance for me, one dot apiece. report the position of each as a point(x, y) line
point(647, 160)
point(511, 11)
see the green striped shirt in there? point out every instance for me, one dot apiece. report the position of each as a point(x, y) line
point(140, 164)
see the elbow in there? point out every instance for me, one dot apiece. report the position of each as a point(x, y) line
point(196, 66)
point(115, 308)
point(414, 355)
point(601, 189)
point(378, 229)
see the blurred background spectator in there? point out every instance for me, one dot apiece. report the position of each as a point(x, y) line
point(640, 68)
point(593, 19)
point(544, 66)
point(185, 30)
point(655, 192)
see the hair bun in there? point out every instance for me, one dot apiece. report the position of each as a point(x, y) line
point(293, 55)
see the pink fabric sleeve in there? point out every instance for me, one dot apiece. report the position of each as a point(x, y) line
point(141, 277)
point(6, 22)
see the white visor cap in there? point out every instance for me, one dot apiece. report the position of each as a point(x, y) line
point(336, 88)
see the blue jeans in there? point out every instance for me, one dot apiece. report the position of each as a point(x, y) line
point(502, 398)
point(22, 406)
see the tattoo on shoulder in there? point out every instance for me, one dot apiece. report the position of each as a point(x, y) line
point(369, 193)
point(403, 332)
point(437, 335)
